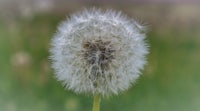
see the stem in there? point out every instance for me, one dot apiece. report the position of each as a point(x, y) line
point(96, 103)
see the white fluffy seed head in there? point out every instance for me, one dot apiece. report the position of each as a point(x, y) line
point(98, 52)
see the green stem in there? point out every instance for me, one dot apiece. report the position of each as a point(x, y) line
point(96, 103)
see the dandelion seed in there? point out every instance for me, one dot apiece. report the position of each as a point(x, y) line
point(98, 53)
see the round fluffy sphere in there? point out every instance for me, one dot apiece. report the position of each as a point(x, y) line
point(98, 52)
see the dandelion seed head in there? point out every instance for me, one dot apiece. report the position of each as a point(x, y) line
point(98, 52)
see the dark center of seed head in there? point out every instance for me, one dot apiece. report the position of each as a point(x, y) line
point(98, 52)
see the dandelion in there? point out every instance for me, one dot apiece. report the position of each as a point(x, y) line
point(99, 53)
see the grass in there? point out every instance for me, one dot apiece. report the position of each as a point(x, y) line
point(170, 82)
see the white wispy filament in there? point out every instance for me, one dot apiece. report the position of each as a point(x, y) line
point(98, 52)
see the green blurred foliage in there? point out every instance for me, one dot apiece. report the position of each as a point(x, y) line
point(170, 81)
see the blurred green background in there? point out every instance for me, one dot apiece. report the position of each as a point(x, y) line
point(170, 81)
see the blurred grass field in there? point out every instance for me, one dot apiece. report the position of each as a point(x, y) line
point(170, 81)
